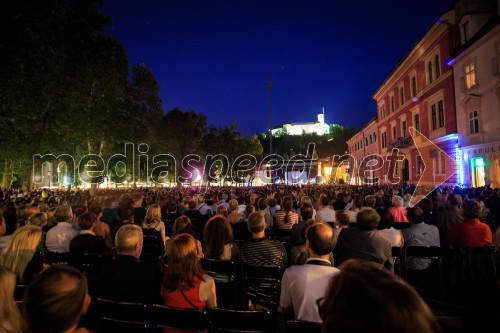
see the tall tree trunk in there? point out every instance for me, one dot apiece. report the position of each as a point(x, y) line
point(5, 172)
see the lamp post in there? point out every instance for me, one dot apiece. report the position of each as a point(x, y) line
point(270, 88)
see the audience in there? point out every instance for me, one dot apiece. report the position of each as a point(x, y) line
point(9, 312)
point(286, 218)
point(362, 298)
point(364, 242)
point(20, 254)
point(183, 225)
point(262, 251)
point(218, 239)
point(297, 296)
point(87, 241)
point(386, 228)
point(125, 278)
point(60, 236)
point(185, 285)
point(55, 301)
point(471, 232)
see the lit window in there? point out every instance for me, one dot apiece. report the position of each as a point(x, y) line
point(473, 122)
point(401, 96)
point(384, 140)
point(470, 76)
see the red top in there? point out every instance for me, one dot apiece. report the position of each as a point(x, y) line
point(471, 232)
point(176, 300)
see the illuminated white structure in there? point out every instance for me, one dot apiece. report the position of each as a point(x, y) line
point(319, 127)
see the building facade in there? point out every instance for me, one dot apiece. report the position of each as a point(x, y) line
point(476, 65)
point(363, 144)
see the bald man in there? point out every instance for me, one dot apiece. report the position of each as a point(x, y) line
point(303, 285)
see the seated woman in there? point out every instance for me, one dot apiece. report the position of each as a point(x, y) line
point(181, 226)
point(386, 230)
point(286, 218)
point(185, 285)
point(39, 220)
point(218, 239)
point(361, 287)
point(11, 317)
point(20, 254)
point(153, 225)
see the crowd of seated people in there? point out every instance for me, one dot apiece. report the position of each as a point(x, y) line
point(298, 228)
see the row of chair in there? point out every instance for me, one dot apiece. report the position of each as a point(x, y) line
point(136, 318)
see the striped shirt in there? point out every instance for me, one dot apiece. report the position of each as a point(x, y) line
point(263, 252)
point(293, 218)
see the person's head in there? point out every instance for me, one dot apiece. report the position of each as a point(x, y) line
point(325, 201)
point(153, 214)
point(87, 221)
point(3, 226)
point(354, 295)
point(63, 213)
point(182, 225)
point(56, 300)
point(342, 218)
point(454, 200)
point(249, 209)
point(415, 214)
point(217, 233)
point(79, 210)
point(306, 211)
point(471, 209)
point(263, 203)
point(320, 239)
point(397, 201)
point(426, 204)
point(108, 202)
point(37, 219)
point(386, 218)
point(272, 202)
point(19, 250)
point(305, 200)
point(138, 198)
point(96, 210)
point(129, 240)
point(370, 200)
point(287, 204)
point(222, 210)
point(367, 219)
point(191, 204)
point(233, 205)
point(183, 264)
point(126, 214)
point(256, 223)
point(10, 312)
point(307, 224)
point(358, 201)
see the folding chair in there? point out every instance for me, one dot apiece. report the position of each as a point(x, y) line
point(180, 319)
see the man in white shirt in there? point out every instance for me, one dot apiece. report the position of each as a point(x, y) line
point(60, 236)
point(324, 212)
point(303, 285)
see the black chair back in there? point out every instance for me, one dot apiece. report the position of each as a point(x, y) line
point(195, 320)
point(58, 258)
point(122, 310)
point(226, 280)
point(240, 320)
point(299, 326)
point(86, 262)
point(108, 325)
point(262, 285)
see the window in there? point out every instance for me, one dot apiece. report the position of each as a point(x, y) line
point(433, 117)
point(394, 133)
point(393, 107)
point(441, 114)
point(437, 66)
point(473, 122)
point(403, 128)
point(413, 86)
point(366, 142)
point(470, 76)
point(429, 72)
point(374, 137)
point(416, 122)
point(384, 140)
point(437, 115)
point(401, 96)
point(442, 162)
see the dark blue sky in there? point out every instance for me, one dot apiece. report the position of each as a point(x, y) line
point(215, 56)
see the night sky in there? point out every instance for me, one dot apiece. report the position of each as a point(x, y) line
point(216, 56)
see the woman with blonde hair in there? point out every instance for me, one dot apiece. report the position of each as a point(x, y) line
point(153, 225)
point(20, 254)
point(9, 312)
point(39, 220)
point(185, 284)
point(222, 210)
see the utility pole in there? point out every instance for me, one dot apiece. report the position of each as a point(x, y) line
point(270, 88)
